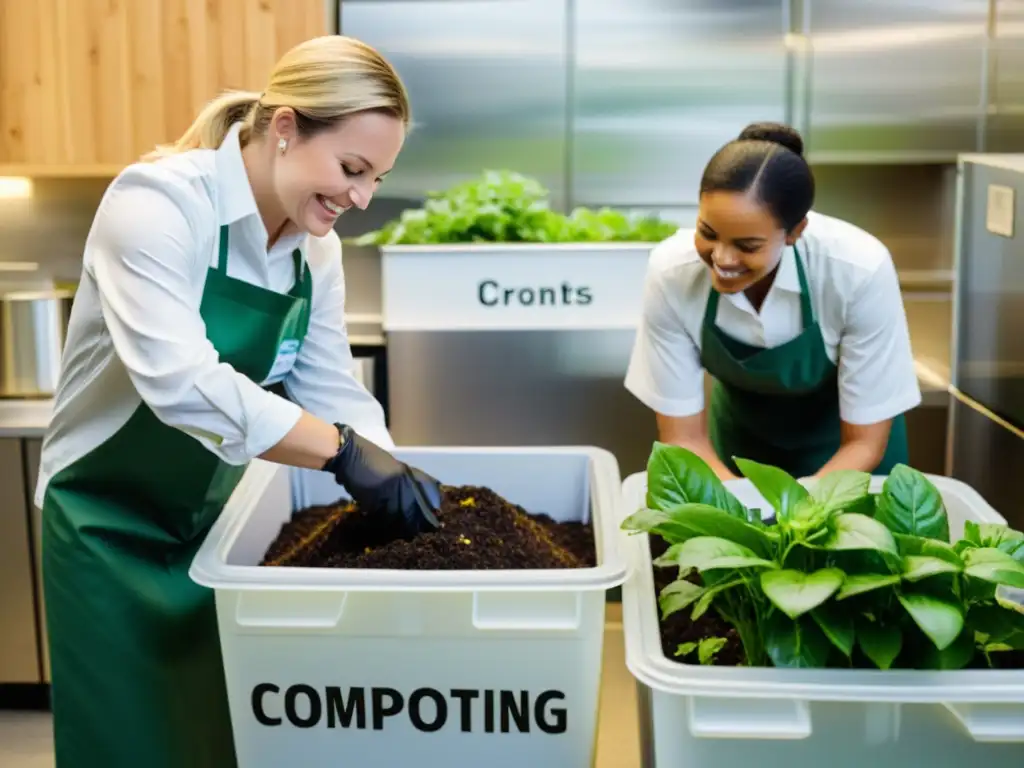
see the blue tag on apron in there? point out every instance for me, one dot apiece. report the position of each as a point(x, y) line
point(284, 362)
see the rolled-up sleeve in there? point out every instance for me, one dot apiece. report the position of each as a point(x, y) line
point(877, 377)
point(146, 254)
point(323, 380)
point(664, 372)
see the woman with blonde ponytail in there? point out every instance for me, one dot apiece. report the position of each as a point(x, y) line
point(208, 330)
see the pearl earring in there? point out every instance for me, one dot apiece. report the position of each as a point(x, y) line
point(282, 145)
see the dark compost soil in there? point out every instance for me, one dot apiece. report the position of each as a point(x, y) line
point(680, 628)
point(479, 531)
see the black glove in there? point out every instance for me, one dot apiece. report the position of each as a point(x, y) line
point(380, 484)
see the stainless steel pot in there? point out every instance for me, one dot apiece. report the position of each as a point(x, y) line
point(33, 327)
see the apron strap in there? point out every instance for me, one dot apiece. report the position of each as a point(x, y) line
point(221, 265)
point(806, 308)
point(297, 288)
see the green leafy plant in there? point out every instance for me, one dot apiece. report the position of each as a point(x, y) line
point(706, 649)
point(507, 207)
point(843, 576)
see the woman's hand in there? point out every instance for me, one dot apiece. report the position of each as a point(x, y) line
point(380, 484)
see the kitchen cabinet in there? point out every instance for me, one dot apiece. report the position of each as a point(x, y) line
point(90, 85)
point(19, 649)
point(894, 80)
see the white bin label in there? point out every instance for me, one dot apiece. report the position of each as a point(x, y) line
point(537, 288)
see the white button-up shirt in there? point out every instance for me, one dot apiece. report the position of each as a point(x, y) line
point(856, 298)
point(136, 334)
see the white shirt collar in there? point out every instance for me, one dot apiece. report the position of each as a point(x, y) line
point(234, 193)
point(787, 278)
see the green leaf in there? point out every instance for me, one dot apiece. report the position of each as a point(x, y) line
point(837, 626)
point(956, 655)
point(777, 486)
point(1010, 598)
point(709, 647)
point(687, 521)
point(796, 644)
point(677, 476)
point(918, 545)
point(795, 592)
point(863, 583)
point(678, 595)
point(941, 621)
point(998, 536)
point(852, 531)
point(841, 489)
point(993, 565)
point(917, 567)
point(658, 522)
point(881, 643)
point(997, 623)
point(710, 594)
point(685, 649)
point(705, 553)
point(910, 503)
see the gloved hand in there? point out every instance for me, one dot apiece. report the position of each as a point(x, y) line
point(380, 484)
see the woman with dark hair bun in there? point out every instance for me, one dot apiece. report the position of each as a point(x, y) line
point(797, 316)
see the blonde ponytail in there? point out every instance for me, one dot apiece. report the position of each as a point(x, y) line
point(324, 80)
point(211, 124)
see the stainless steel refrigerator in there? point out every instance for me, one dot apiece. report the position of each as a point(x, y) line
point(986, 426)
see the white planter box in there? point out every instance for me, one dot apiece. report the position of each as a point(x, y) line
point(721, 717)
point(383, 668)
point(563, 286)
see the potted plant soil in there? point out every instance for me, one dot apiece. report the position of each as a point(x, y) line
point(888, 594)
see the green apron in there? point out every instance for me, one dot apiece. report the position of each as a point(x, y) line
point(779, 406)
point(134, 647)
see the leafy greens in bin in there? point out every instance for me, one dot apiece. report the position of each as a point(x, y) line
point(841, 576)
point(507, 207)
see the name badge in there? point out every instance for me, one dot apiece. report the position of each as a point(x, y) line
point(284, 362)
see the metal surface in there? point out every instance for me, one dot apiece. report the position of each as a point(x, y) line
point(19, 654)
point(517, 388)
point(487, 82)
point(33, 453)
point(989, 302)
point(896, 79)
point(1004, 131)
point(658, 86)
point(33, 327)
point(987, 455)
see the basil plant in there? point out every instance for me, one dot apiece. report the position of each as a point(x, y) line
point(833, 575)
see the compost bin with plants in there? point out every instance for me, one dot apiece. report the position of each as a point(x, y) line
point(479, 530)
point(831, 576)
point(507, 207)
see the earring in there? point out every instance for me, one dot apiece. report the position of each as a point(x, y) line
point(282, 145)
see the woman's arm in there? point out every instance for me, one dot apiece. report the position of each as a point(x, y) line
point(322, 380)
point(877, 377)
point(690, 432)
point(861, 448)
point(148, 251)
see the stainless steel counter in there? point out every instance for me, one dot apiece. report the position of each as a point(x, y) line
point(24, 418)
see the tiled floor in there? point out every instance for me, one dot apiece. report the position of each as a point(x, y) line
point(26, 738)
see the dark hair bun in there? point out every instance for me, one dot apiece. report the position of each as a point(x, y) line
point(777, 133)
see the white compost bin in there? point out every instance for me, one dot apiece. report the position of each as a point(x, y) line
point(721, 717)
point(385, 668)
